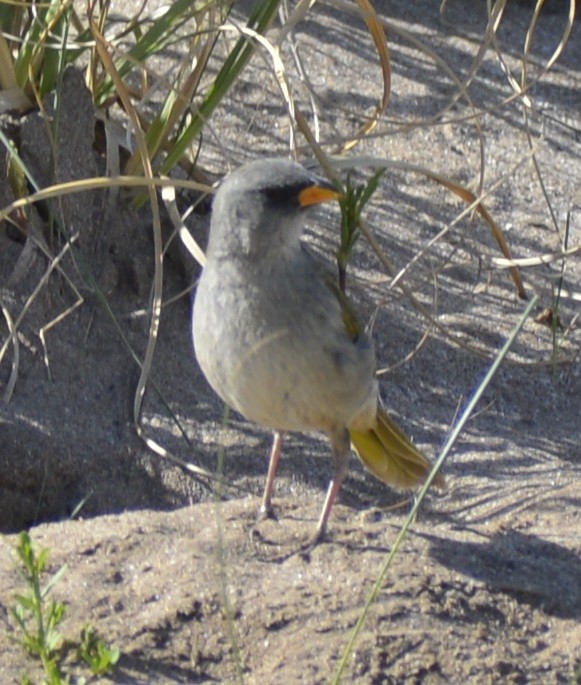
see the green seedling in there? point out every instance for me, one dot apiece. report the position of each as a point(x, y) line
point(39, 618)
point(36, 615)
point(95, 653)
point(352, 203)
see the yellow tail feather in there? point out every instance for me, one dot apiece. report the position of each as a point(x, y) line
point(390, 456)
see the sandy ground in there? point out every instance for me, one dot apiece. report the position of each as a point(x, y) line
point(487, 587)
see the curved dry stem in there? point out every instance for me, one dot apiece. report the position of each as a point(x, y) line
point(53, 264)
point(13, 337)
point(289, 23)
point(102, 49)
point(169, 197)
point(279, 70)
point(501, 263)
point(377, 32)
point(443, 65)
point(520, 89)
point(99, 182)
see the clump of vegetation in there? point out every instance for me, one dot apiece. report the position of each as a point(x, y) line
point(38, 617)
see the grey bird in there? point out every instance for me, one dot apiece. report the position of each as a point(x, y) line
point(278, 340)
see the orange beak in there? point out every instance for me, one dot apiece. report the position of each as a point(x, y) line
point(315, 195)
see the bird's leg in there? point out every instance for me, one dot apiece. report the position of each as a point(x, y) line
point(341, 447)
point(266, 505)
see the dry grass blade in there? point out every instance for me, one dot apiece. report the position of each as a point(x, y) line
point(54, 263)
point(99, 182)
point(278, 65)
point(13, 337)
point(149, 182)
point(7, 73)
point(558, 50)
point(61, 317)
point(462, 86)
point(470, 198)
point(180, 95)
point(102, 49)
point(378, 34)
point(259, 21)
point(521, 89)
point(169, 198)
point(38, 64)
point(535, 261)
point(299, 12)
point(287, 29)
point(494, 19)
point(316, 148)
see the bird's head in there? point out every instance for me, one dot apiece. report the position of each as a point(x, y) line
point(261, 207)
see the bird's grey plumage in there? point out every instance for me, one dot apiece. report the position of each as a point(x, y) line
point(268, 331)
point(278, 341)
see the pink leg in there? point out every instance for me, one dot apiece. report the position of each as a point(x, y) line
point(341, 447)
point(266, 506)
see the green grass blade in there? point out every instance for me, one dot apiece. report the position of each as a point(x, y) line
point(149, 43)
point(443, 454)
point(258, 21)
point(52, 63)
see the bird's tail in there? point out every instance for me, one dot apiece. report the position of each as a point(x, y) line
point(389, 454)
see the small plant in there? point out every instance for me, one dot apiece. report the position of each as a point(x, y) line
point(576, 677)
point(39, 619)
point(352, 203)
point(95, 653)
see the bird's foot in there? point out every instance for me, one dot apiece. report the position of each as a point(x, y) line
point(319, 537)
point(266, 512)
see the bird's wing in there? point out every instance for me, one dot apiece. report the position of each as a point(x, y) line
point(350, 321)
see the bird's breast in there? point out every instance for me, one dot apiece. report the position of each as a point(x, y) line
point(273, 345)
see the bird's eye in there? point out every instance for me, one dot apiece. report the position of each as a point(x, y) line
point(283, 196)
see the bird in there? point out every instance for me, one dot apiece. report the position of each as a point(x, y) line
point(279, 341)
